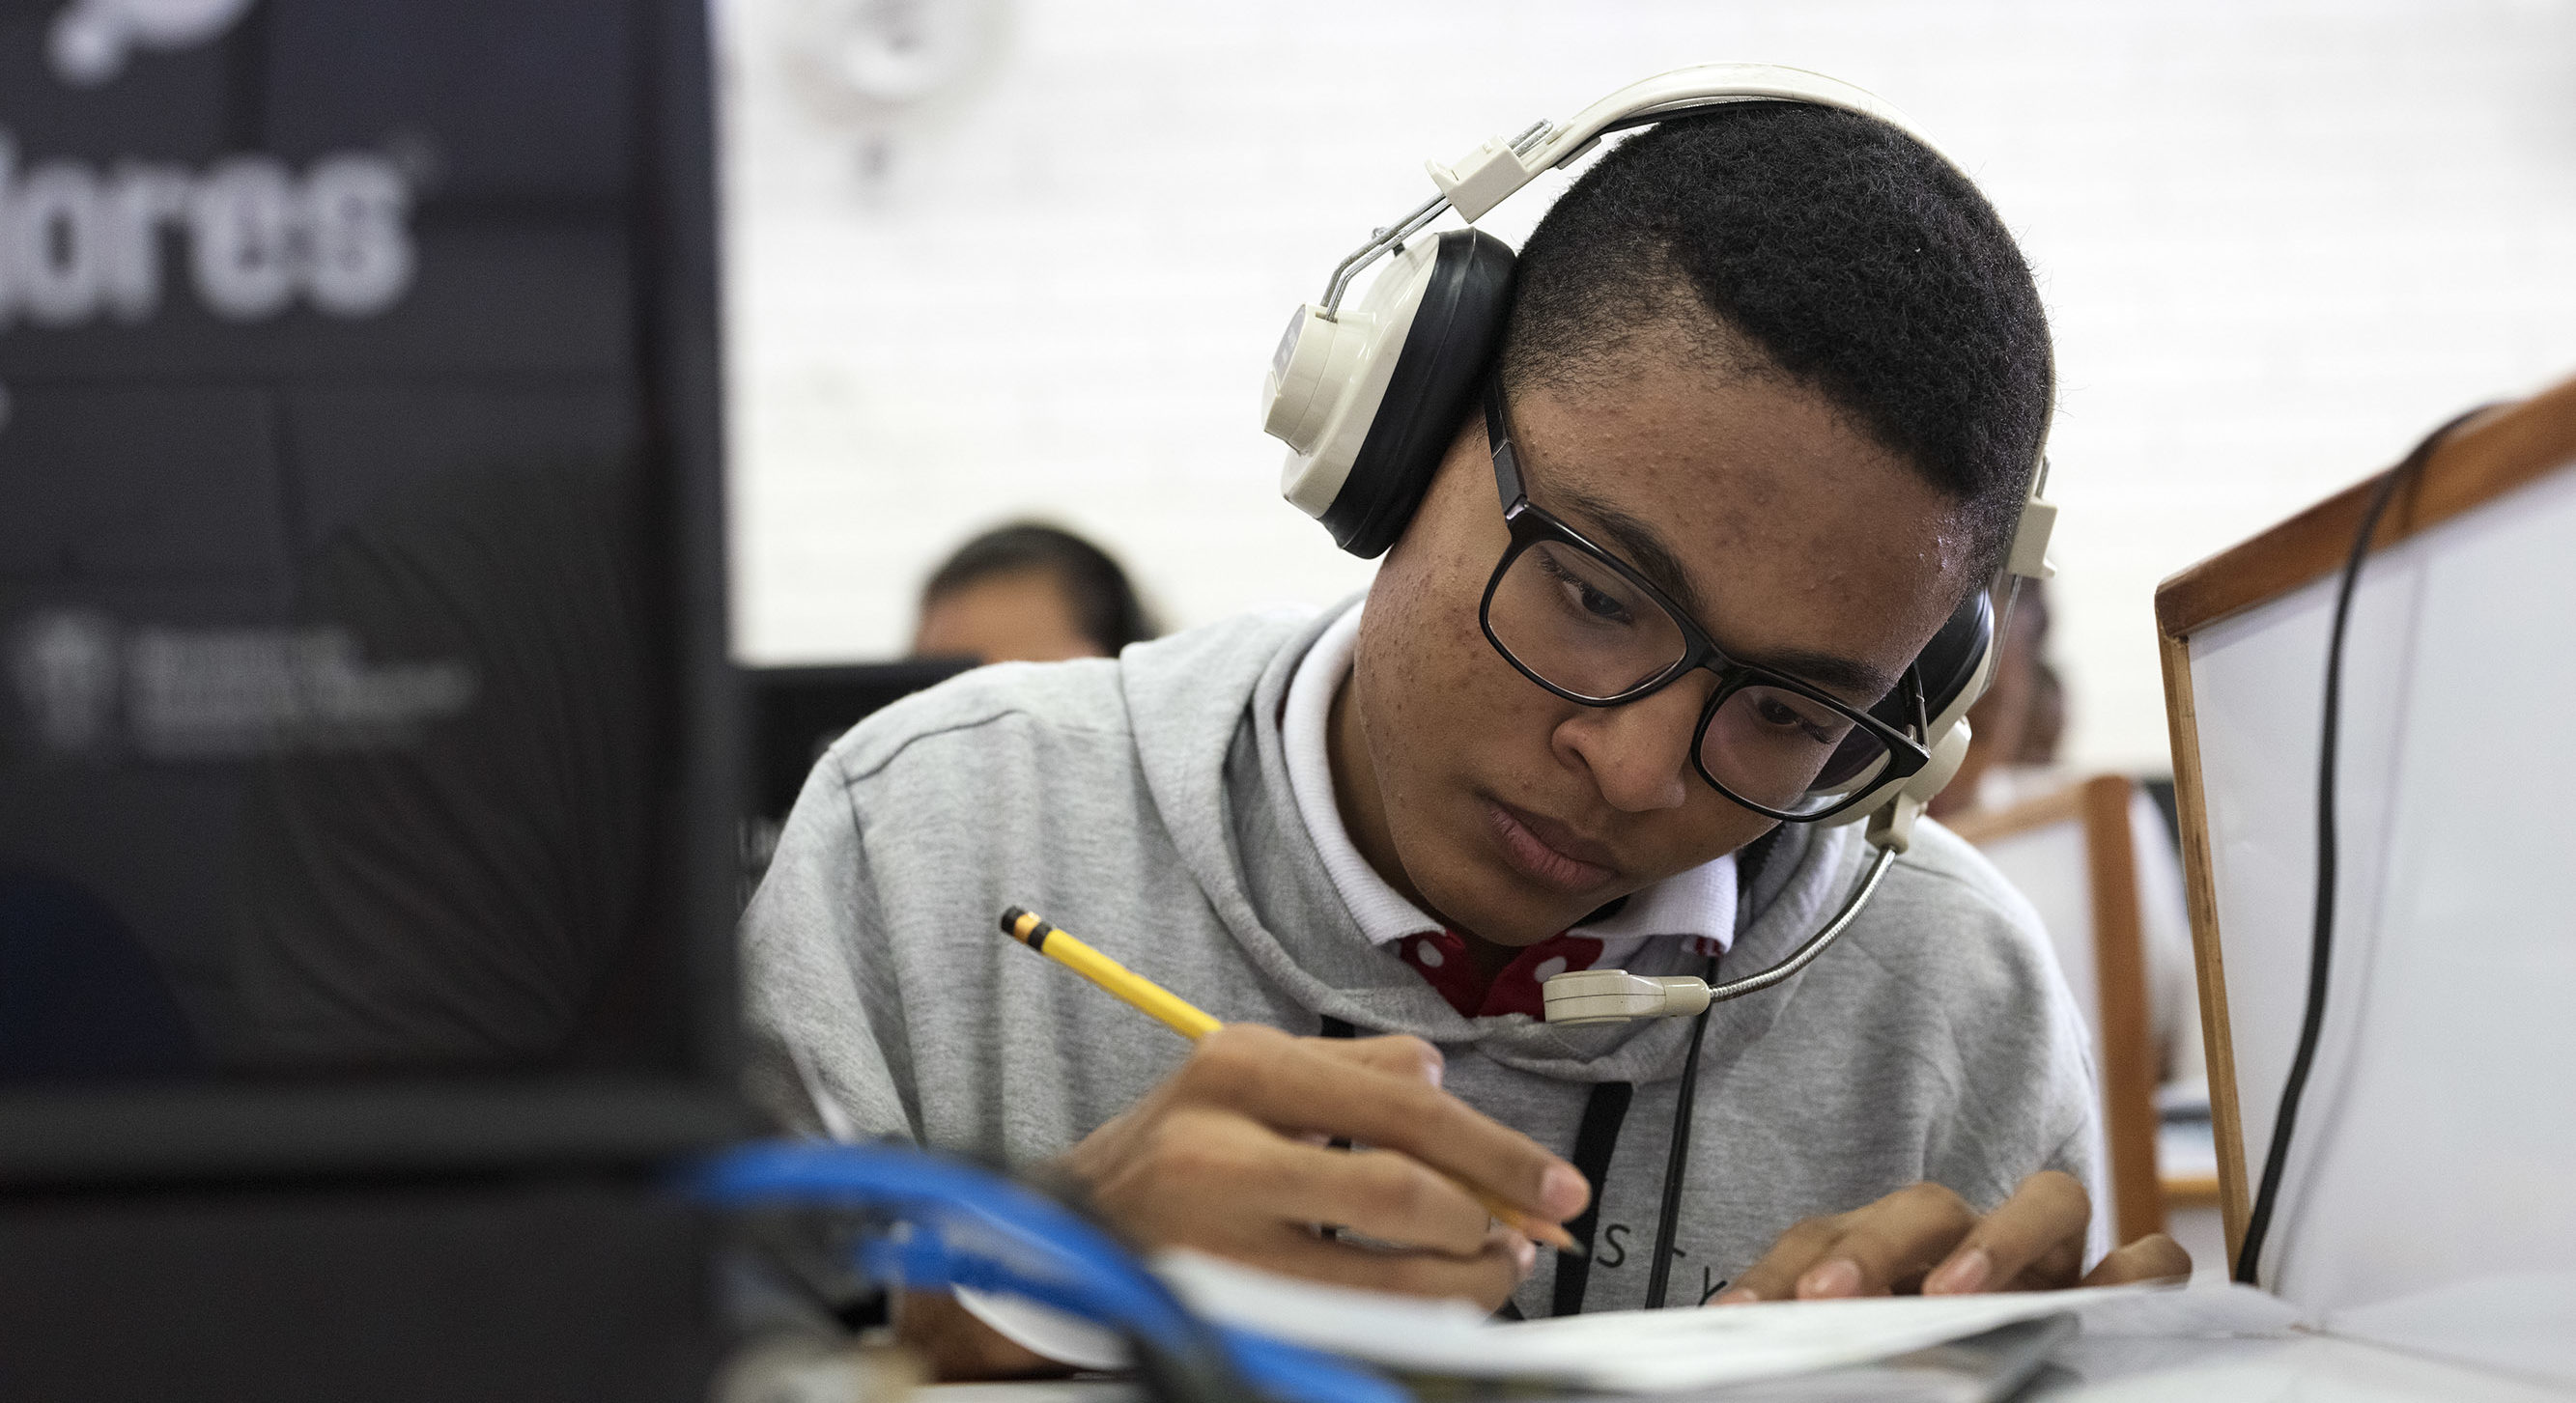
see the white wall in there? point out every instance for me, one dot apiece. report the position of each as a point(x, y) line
point(2279, 240)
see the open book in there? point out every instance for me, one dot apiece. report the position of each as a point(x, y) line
point(1668, 1350)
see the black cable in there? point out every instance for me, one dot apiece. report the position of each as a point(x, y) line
point(1596, 1140)
point(2258, 1223)
point(1677, 1155)
point(1749, 862)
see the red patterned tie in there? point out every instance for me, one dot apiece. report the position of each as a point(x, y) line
point(1440, 957)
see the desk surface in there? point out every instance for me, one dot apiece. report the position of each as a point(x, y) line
point(2309, 1368)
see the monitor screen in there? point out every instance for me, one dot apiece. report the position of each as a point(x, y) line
point(797, 712)
point(364, 726)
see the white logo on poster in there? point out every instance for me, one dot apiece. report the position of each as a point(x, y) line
point(220, 693)
point(92, 39)
point(77, 242)
point(66, 669)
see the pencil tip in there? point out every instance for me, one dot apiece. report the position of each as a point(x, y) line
point(1011, 920)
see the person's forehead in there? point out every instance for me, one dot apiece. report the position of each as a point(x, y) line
point(1636, 541)
point(1708, 506)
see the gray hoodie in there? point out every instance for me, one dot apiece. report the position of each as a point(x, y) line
point(1144, 805)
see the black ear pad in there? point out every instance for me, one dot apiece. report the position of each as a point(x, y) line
point(1948, 664)
point(1446, 353)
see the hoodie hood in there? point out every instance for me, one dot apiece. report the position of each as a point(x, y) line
point(1205, 709)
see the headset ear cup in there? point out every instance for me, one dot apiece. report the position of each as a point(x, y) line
point(1952, 670)
point(1447, 351)
point(1952, 667)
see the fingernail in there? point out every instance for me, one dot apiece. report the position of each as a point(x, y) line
point(1433, 1069)
point(1525, 1252)
point(1839, 1277)
point(1563, 1191)
point(1741, 1295)
point(1961, 1275)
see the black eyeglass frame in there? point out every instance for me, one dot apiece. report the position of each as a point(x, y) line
point(1531, 524)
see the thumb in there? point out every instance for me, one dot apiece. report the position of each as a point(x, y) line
point(2154, 1257)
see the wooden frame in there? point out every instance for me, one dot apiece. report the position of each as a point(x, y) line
point(2129, 1063)
point(2498, 451)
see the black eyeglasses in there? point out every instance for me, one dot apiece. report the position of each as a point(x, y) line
point(1582, 623)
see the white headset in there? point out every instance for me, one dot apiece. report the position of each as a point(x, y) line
point(1369, 397)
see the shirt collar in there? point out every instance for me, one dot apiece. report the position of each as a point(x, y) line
point(1698, 905)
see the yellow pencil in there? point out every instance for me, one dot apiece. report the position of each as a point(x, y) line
point(1178, 1015)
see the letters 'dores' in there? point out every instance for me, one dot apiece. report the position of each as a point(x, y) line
point(79, 242)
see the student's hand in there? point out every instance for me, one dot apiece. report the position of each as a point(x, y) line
point(1228, 1156)
point(1925, 1239)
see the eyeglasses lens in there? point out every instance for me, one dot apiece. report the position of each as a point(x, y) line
point(1786, 751)
point(1576, 622)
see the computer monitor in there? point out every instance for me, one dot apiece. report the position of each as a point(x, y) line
point(797, 712)
point(369, 760)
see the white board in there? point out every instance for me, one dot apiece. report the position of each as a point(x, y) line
point(2049, 865)
point(2437, 1140)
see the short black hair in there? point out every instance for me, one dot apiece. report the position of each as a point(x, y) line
point(1105, 604)
point(1844, 254)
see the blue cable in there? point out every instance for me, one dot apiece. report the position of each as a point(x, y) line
point(948, 1224)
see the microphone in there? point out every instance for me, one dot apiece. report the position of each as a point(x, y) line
point(1616, 996)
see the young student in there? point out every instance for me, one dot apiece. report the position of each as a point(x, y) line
point(1786, 366)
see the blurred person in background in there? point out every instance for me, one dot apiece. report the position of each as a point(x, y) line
point(1029, 593)
point(2046, 719)
point(2012, 756)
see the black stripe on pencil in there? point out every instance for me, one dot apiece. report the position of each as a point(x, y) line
point(1038, 932)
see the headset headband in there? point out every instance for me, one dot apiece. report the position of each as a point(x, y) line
point(1493, 172)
